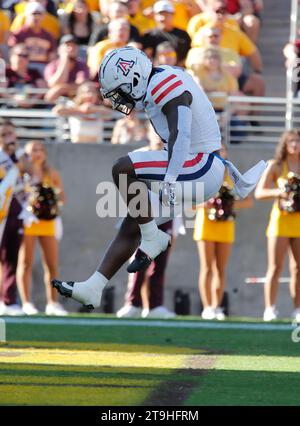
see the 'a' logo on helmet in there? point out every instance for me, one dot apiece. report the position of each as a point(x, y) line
point(124, 65)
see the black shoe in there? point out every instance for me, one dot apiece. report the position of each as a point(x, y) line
point(85, 309)
point(140, 263)
point(62, 287)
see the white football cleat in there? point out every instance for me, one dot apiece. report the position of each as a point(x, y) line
point(129, 311)
point(208, 313)
point(158, 312)
point(149, 250)
point(29, 309)
point(270, 314)
point(87, 293)
point(56, 309)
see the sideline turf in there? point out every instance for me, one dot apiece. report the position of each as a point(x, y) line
point(156, 366)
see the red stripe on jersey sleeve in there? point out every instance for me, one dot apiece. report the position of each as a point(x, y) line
point(167, 91)
point(162, 83)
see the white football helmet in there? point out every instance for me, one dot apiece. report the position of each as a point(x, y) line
point(123, 77)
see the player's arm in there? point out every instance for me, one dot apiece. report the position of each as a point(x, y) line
point(179, 118)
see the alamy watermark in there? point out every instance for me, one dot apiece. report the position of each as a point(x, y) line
point(296, 331)
point(111, 204)
point(2, 330)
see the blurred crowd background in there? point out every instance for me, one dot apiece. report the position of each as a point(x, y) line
point(51, 53)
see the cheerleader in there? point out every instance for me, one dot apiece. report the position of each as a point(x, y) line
point(45, 192)
point(214, 233)
point(283, 231)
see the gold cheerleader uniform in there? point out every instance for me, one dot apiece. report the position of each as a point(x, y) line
point(282, 223)
point(218, 231)
point(42, 228)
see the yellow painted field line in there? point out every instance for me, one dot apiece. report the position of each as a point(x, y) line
point(92, 358)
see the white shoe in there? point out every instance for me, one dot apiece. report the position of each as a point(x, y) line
point(56, 309)
point(11, 310)
point(88, 292)
point(270, 314)
point(208, 313)
point(129, 311)
point(29, 309)
point(220, 316)
point(157, 245)
point(158, 312)
point(150, 249)
point(296, 315)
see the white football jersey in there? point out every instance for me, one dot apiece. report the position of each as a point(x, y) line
point(169, 82)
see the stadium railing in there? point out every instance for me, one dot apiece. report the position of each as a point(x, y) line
point(34, 121)
point(257, 120)
point(245, 119)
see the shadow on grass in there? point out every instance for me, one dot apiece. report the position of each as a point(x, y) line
point(33, 384)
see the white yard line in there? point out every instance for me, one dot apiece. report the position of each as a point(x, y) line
point(97, 322)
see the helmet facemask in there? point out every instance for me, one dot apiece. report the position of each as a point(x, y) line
point(120, 98)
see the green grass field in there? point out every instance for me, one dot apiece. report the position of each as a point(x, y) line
point(99, 360)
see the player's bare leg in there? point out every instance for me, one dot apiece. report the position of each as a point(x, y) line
point(121, 248)
point(153, 240)
point(141, 229)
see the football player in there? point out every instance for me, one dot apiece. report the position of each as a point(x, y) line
point(183, 117)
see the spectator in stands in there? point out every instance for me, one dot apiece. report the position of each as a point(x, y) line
point(86, 114)
point(4, 32)
point(247, 14)
point(231, 60)
point(242, 14)
point(165, 54)
point(250, 82)
point(19, 7)
point(214, 233)
point(17, 73)
point(40, 43)
point(65, 74)
point(283, 231)
point(137, 17)
point(118, 36)
point(216, 81)
point(93, 5)
point(209, 16)
point(79, 22)
point(116, 10)
point(39, 225)
point(165, 31)
point(11, 227)
point(49, 22)
point(218, 84)
point(130, 129)
point(184, 11)
point(20, 77)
